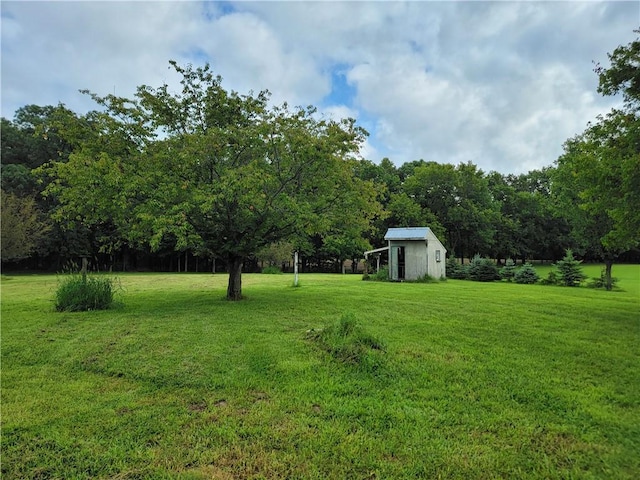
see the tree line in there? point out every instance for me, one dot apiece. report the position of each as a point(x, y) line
point(206, 178)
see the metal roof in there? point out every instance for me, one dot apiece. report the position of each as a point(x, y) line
point(407, 233)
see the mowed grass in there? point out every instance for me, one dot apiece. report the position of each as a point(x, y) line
point(478, 381)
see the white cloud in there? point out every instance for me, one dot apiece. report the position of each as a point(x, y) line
point(253, 57)
point(502, 84)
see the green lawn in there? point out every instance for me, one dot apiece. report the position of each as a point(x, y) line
point(478, 381)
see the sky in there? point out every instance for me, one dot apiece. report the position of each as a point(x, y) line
point(501, 84)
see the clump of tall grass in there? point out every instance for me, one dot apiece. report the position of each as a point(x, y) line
point(348, 342)
point(78, 292)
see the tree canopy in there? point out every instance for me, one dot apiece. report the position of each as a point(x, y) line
point(599, 171)
point(211, 169)
point(230, 179)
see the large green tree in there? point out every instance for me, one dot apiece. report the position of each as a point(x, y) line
point(460, 199)
point(528, 225)
point(599, 171)
point(211, 169)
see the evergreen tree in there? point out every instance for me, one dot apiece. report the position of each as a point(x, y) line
point(570, 271)
point(508, 271)
point(526, 274)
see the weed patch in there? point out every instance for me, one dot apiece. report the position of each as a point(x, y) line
point(77, 292)
point(349, 343)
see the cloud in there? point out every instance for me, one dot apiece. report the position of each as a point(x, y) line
point(502, 84)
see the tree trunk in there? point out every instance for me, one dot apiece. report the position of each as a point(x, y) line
point(234, 290)
point(607, 273)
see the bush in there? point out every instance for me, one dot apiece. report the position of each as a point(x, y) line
point(483, 270)
point(272, 270)
point(552, 279)
point(347, 342)
point(508, 271)
point(456, 270)
point(381, 275)
point(526, 274)
point(601, 282)
point(570, 271)
point(78, 292)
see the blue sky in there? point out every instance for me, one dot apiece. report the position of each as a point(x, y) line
point(501, 84)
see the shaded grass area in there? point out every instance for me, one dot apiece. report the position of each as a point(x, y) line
point(479, 381)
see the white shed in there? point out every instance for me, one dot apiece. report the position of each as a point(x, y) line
point(413, 253)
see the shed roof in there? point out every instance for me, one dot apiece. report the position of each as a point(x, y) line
point(407, 233)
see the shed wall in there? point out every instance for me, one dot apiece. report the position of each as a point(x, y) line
point(421, 258)
point(437, 269)
point(415, 258)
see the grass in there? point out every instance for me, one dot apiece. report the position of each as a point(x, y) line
point(77, 292)
point(478, 381)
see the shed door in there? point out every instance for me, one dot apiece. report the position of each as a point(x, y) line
point(393, 264)
point(397, 263)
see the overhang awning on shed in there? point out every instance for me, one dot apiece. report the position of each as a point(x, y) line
point(377, 250)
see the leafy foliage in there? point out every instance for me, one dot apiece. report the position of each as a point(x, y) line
point(623, 75)
point(601, 282)
point(209, 173)
point(23, 227)
point(214, 170)
point(276, 253)
point(382, 275)
point(459, 197)
point(598, 176)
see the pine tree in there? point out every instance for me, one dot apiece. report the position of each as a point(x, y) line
point(508, 271)
point(570, 271)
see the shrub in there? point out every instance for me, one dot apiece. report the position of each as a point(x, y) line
point(347, 342)
point(601, 282)
point(381, 275)
point(81, 292)
point(526, 274)
point(272, 270)
point(455, 270)
point(508, 271)
point(570, 271)
point(483, 270)
point(552, 279)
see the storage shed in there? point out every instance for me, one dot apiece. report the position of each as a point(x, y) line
point(413, 253)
